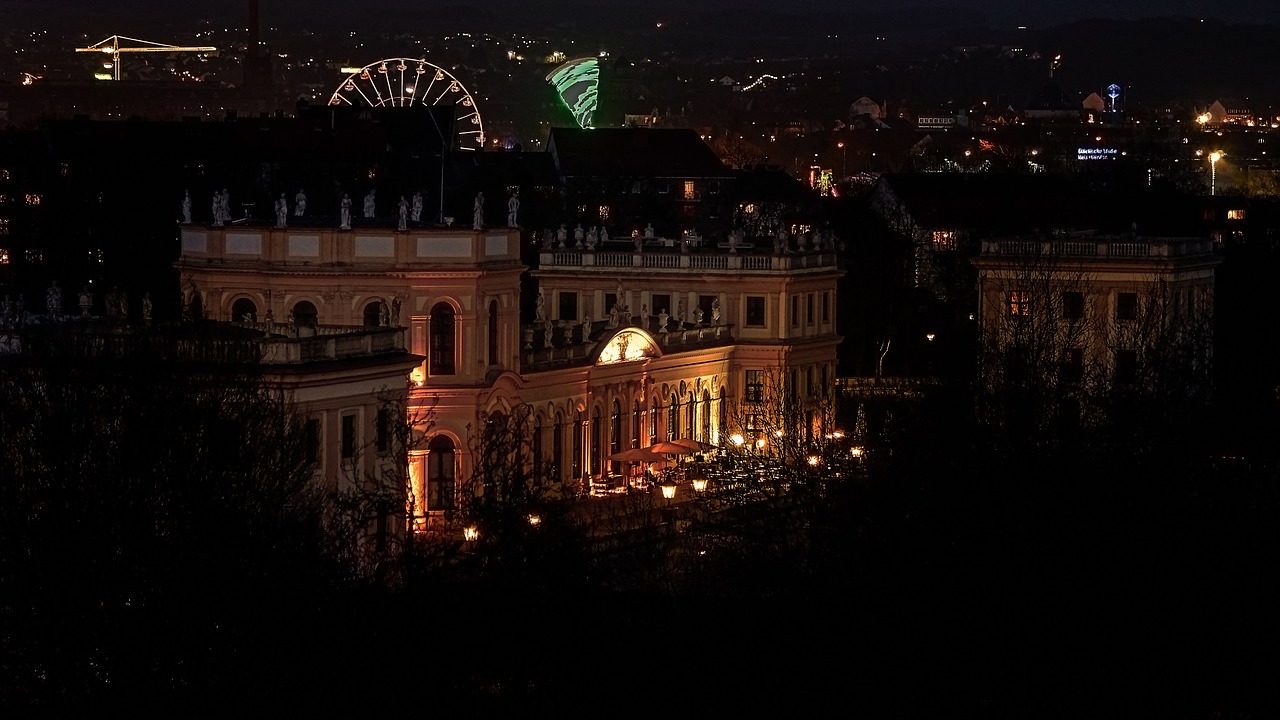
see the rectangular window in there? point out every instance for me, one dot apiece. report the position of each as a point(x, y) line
point(661, 304)
point(384, 430)
point(610, 299)
point(690, 190)
point(312, 435)
point(1126, 366)
point(704, 304)
point(755, 311)
point(713, 187)
point(1073, 365)
point(1235, 214)
point(1019, 303)
point(569, 306)
point(826, 307)
point(754, 386)
point(1127, 306)
point(1073, 305)
point(808, 314)
point(348, 437)
point(795, 310)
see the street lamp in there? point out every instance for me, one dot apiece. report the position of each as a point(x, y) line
point(1214, 157)
point(699, 481)
point(844, 160)
point(668, 487)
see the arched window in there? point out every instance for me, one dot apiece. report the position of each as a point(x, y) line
point(615, 432)
point(244, 310)
point(688, 416)
point(373, 314)
point(557, 447)
point(673, 419)
point(578, 421)
point(723, 413)
point(635, 424)
point(537, 448)
point(706, 416)
point(305, 315)
point(653, 419)
point(441, 339)
point(493, 332)
point(596, 428)
point(440, 473)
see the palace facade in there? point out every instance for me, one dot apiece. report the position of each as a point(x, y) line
point(633, 340)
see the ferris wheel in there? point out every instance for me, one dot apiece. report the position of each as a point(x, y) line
point(404, 82)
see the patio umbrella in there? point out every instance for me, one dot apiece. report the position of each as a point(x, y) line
point(694, 445)
point(671, 448)
point(644, 455)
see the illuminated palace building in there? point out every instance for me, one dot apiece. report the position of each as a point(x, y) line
point(631, 342)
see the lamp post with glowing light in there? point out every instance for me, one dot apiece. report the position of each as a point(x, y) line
point(699, 481)
point(844, 160)
point(668, 488)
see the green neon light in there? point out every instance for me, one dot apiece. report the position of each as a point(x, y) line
point(576, 82)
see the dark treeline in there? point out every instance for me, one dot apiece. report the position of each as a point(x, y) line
point(159, 553)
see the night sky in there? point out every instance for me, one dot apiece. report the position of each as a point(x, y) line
point(990, 12)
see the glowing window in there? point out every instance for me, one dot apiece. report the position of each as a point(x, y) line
point(1019, 303)
point(754, 386)
point(944, 239)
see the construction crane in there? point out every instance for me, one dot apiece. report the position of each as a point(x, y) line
point(112, 46)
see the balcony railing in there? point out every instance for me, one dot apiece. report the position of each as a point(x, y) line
point(702, 260)
point(1123, 248)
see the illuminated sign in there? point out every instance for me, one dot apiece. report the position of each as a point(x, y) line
point(935, 123)
point(1096, 153)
